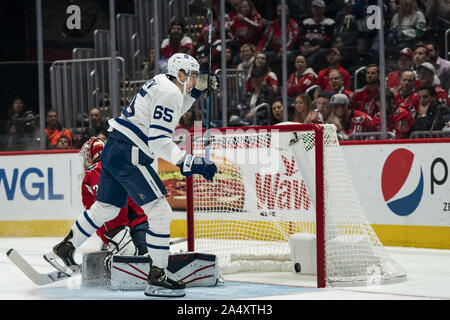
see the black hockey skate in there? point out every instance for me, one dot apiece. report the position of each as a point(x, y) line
point(162, 284)
point(63, 251)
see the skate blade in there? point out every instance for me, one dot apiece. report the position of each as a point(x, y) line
point(154, 291)
point(57, 263)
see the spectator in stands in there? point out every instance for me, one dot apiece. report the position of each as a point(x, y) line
point(406, 97)
point(364, 99)
point(63, 143)
point(148, 70)
point(246, 26)
point(304, 112)
point(437, 13)
point(54, 129)
point(260, 92)
point(316, 34)
point(441, 66)
point(405, 63)
point(346, 34)
point(270, 78)
point(276, 113)
point(270, 42)
point(202, 48)
point(408, 25)
point(313, 91)
point(365, 36)
point(421, 54)
point(322, 105)
point(247, 54)
point(27, 137)
point(427, 75)
point(186, 123)
point(333, 60)
point(336, 83)
point(96, 124)
point(303, 78)
point(347, 120)
point(15, 115)
point(431, 114)
point(229, 55)
point(176, 42)
point(399, 121)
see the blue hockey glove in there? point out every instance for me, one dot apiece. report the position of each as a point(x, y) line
point(190, 164)
point(202, 84)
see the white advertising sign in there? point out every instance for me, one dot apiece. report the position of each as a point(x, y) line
point(40, 187)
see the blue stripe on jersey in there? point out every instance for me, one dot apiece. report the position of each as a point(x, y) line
point(154, 126)
point(89, 220)
point(158, 137)
point(133, 128)
point(158, 235)
point(157, 247)
point(82, 230)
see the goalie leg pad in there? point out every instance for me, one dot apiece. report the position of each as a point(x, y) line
point(193, 269)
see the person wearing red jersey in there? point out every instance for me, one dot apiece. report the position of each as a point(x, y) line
point(270, 42)
point(405, 63)
point(303, 78)
point(406, 96)
point(364, 99)
point(426, 73)
point(333, 59)
point(246, 25)
point(336, 83)
point(270, 78)
point(346, 120)
point(399, 121)
point(176, 42)
point(132, 215)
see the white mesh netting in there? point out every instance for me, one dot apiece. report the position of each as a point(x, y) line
point(259, 198)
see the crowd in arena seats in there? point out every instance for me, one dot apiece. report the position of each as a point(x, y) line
point(326, 42)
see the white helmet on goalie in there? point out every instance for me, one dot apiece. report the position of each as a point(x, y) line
point(91, 150)
point(185, 62)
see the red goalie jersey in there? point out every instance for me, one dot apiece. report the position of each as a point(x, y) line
point(131, 215)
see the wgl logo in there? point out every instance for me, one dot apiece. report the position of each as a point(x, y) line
point(399, 174)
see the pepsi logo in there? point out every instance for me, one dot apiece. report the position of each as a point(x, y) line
point(402, 182)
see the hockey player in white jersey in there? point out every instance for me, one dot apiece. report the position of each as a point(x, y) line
point(141, 134)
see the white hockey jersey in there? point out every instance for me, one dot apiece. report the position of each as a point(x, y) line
point(152, 116)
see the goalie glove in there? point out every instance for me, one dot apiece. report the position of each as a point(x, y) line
point(190, 164)
point(202, 84)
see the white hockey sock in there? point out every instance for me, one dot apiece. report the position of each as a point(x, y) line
point(90, 220)
point(159, 215)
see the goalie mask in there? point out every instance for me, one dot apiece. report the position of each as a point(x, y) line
point(182, 61)
point(90, 151)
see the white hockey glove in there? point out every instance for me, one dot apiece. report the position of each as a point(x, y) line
point(202, 84)
point(120, 244)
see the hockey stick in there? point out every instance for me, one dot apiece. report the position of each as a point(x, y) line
point(38, 278)
point(208, 97)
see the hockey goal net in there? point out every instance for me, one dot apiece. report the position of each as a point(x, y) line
point(275, 182)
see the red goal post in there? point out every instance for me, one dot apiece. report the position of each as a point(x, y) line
point(238, 211)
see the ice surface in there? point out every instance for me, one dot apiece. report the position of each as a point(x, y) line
point(428, 277)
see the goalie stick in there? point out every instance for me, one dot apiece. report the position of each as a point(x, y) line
point(38, 278)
